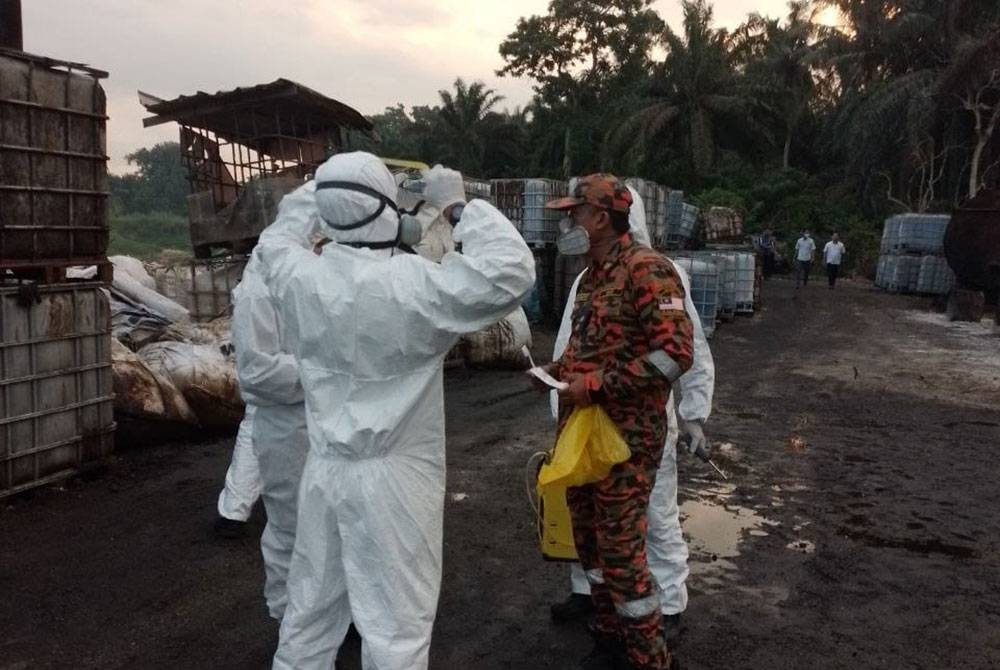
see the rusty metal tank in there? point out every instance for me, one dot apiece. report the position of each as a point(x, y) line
point(972, 242)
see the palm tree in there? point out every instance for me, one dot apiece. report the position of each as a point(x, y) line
point(920, 86)
point(463, 116)
point(692, 90)
point(778, 61)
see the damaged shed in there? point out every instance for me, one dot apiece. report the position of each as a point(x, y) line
point(245, 148)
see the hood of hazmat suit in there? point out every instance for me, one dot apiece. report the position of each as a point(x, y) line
point(370, 331)
point(269, 382)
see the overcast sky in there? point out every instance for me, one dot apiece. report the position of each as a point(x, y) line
point(367, 53)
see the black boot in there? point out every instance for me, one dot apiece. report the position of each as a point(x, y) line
point(575, 608)
point(672, 631)
point(607, 654)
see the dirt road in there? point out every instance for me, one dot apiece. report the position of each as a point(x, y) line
point(872, 543)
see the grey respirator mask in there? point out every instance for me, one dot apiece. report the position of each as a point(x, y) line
point(573, 240)
point(408, 231)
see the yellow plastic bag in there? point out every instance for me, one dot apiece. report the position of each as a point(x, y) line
point(588, 447)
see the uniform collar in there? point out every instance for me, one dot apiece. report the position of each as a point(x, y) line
point(622, 244)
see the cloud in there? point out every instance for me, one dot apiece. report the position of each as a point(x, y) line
point(415, 13)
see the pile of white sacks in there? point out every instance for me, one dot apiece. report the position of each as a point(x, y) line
point(165, 367)
point(168, 368)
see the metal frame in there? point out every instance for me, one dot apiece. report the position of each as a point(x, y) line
point(74, 189)
point(87, 442)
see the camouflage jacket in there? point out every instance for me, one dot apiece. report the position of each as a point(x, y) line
point(631, 339)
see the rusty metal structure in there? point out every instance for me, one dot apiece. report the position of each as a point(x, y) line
point(972, 243)
point(268, 137)
point(56, 387)
point(53, 165)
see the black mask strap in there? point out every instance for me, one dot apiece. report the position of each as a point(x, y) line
point(359, 188)
point(415, 210)
point(387, 244)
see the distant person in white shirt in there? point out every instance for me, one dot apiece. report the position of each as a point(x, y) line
point(833, 254)
point(804, 250)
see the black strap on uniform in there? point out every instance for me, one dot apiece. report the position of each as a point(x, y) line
point(358, 188)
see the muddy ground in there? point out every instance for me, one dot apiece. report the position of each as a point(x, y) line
point(874, 545)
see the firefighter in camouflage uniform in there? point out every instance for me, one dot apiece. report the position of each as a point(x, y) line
point(631, 340)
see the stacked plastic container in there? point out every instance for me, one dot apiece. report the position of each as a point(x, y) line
point(540, 226)
point(681, 220)
point(746, 266)
point(905, 275)
point(56, 392)
point(703, 273)
point(722, 223)
point(659, 232)
point(935, 277)
point(523, 202)
point(728, 273)
point(912, 255)
point(477, 189)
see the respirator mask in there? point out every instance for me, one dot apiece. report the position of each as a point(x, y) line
point(573, 240)
point(408, 229)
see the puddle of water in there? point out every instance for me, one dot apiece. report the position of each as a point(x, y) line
point(714, 531)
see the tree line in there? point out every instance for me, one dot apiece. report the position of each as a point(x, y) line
point(793, 122)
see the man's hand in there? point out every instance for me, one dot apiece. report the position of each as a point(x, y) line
point(577, 393)
point(696, 432)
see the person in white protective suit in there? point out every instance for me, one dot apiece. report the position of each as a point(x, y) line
point(242, 486)
point(370, 328)
point(269, 382)
point(243, 477)
point(667, 552)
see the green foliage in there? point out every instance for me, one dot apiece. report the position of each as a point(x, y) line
point(795, 124)
point(158, 185)
point(465, 132)
point(145, 236)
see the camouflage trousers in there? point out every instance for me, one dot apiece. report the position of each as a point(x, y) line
point(609, 527)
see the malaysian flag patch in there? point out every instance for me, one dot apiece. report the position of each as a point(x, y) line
point(672, 305)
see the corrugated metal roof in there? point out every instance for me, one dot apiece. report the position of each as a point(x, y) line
point(282, 107)
point(54, 63)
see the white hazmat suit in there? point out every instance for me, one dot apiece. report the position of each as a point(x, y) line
point(242, 487)
point(666, 550)
point(370, 331)
point(269, 381)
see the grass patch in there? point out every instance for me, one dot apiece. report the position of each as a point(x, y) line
point(145, 236)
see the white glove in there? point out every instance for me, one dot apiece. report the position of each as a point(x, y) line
point(443, 187)
point(696, 434)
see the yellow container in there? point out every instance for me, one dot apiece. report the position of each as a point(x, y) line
point(555, 527)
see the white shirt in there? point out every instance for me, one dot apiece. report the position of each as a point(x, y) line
point(804, 249)
point(833, 252)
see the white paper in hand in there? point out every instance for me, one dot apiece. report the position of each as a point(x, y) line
point(549, 379)
point(541, 373)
